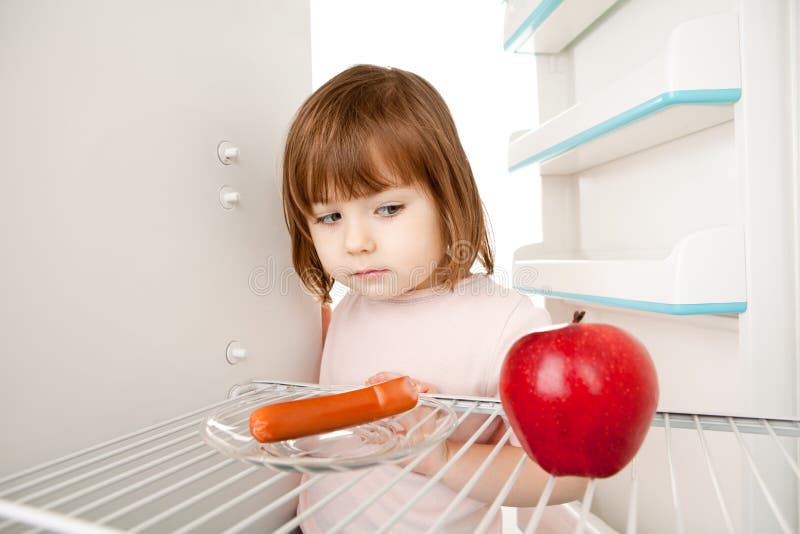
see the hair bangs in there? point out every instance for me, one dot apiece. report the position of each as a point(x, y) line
point(361, 162)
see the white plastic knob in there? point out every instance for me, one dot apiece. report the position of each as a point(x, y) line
point(227, 152)
point(231, 152)
point(235, 353)
point(231, 198)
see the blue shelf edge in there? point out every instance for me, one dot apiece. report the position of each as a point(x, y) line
point(533, 21)
point(653, 105)
point(641, 305)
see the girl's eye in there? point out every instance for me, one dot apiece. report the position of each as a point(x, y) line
point(390, 209)
point(329, 218)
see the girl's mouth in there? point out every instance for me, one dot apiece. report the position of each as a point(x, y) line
point(370, 275)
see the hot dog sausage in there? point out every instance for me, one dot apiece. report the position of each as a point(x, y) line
point(294, 419)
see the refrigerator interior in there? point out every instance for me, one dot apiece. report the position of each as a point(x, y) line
point(668, 149)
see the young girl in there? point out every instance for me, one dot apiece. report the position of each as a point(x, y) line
point(379, 196)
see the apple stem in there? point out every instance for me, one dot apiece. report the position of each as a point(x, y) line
point(577, 316)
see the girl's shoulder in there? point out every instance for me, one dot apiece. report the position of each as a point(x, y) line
point(507, 305)
point(481, 299)
point(484, 288)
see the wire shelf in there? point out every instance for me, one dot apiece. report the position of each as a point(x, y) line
point(165, 478)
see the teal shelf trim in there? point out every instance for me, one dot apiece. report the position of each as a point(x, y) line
point(656, 104)
point(533, 21)
point(641, 305)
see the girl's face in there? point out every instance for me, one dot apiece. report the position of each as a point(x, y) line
point(382, 245)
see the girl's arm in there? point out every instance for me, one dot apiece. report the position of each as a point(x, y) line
point(526, 490)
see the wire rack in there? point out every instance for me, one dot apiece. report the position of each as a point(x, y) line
point(165, 478)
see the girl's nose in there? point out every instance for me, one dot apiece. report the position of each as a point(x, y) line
point(358, 238)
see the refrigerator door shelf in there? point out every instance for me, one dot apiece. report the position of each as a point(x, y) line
point(704, 274)
point(690, 86)
point(548, 26)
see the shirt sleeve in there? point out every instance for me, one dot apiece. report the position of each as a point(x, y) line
point(525, 318)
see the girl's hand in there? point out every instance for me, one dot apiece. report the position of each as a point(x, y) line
point(422, 387)
point(435, 459)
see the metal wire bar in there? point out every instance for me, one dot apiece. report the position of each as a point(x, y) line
point(96, 459)
point(99, 470)
point(423, 421)
point(94, 472)
point(294, 523)
point(748, 425)
point(56, 522)
point(408, 468)
point(673, 480)
point(28, 472)
point(540, 506)
point(585, 505)
point(471, 482)
point(713, 473)
point(329, 497)
point(127, 474)
point(262, 513)
point(110, 497)
point(440, 474)
point(142, 483)
point(786, 454)
point(486, 521)
point(200, 496)
point(166, 491)
point(231, 503)
point(633, 503)
point(772, 504)
point(92, 461)
point(246, 522)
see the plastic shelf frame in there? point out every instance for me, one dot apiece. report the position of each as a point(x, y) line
point(703, 274)
point(548, 26)
point(692, 85)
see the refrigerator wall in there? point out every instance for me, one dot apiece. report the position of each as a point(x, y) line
point(124, 277)
point(668, 151)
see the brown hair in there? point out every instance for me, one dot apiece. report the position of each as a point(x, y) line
point(367, 113)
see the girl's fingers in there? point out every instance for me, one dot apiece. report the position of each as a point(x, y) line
point(382, 377)
point(422, 387)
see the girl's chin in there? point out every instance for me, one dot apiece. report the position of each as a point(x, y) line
point(377, 290)
point(380, 293)
point(375, 293)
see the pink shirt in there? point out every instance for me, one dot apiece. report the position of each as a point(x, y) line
point(454, 341)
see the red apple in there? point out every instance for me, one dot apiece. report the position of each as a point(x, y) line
point(580, 397)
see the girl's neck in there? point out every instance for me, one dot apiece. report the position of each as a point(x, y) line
point(428, 292)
